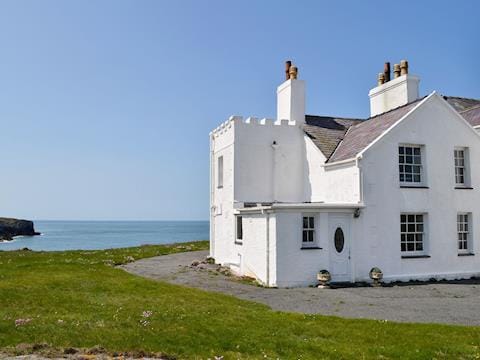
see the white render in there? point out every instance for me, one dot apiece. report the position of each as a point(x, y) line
point(394, 93)
point(274, 175)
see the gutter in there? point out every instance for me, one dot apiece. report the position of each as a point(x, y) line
point(346, 161)
point(300, 206)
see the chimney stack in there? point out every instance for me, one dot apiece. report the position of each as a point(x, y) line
point(392, 93)
point(291, 96)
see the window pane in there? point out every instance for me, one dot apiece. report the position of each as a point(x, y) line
point(220, 171)
point(305, 236)
point(305, 222)
point(239, 228)
point(408, 150)
point(311, 223)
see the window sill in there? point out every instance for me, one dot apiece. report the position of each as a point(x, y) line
point(463, 188)
point(310, 248)
point(220, 187)
point(466, 254)
point(238, 242)
point(413, 187)
point(415, 256)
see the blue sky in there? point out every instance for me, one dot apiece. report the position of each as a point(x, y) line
point(106, 106)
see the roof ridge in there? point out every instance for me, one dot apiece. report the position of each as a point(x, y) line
point(337, 117)
point(460, 97)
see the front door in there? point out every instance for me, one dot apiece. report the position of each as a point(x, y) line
point(339, 239)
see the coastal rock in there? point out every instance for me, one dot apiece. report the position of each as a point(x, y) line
point(9, 228)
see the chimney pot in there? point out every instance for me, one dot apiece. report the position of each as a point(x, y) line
point(404, 67)
point(293, 72)
point(381, 79)
point(288, 65)
point(396, 71)
point(386, 72)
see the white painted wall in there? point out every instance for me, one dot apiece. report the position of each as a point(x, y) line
point(439, 129)
point(264, 171)
point(259, 234)
point(299, 267)
point(222, 226)
point(394, 93)
point(330, 184)
point(291, 101)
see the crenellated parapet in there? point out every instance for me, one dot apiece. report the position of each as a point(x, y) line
point(237, 121)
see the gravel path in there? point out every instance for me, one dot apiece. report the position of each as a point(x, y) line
point(449, 303)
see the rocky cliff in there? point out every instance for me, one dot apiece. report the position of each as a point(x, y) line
point(14, 227)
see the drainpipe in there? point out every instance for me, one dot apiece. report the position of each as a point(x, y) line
point(268, 248)
point(360, 179)
point(352, 245)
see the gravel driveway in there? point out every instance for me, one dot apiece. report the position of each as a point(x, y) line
point(450, 303)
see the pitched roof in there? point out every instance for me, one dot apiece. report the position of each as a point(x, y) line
point(358, 137)
point(461, 104)
point(472, 115)
point(326, 132)
point(468, 108)
point(343, 138)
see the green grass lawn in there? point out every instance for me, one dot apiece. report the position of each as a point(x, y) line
point(78, 299)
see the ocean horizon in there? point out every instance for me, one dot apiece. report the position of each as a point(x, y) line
point(59, 235)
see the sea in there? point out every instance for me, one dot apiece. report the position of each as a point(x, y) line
point(96, 235)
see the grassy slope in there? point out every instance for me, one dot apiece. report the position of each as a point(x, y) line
point(101, 305)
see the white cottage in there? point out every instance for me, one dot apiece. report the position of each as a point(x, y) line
point(301, 193)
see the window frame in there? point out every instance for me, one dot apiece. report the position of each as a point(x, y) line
point(405, 234)
point(465, 167)
point(468, 233)
point(220, 170)
point(310, 231)
point(421, 174)
point(238, 229)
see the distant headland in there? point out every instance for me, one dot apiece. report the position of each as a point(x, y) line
point(9, 228)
